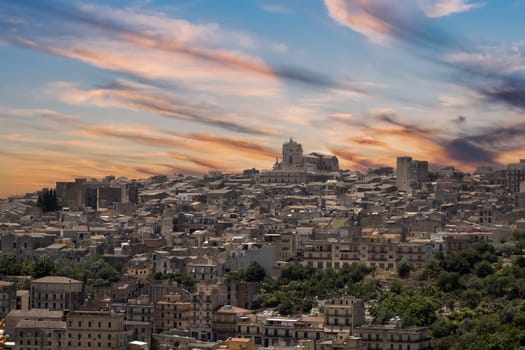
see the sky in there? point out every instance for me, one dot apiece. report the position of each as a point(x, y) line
point(136, 88)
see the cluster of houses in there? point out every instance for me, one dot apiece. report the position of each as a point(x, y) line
point(204, 228)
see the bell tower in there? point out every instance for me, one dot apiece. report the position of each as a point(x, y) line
point(292, 154)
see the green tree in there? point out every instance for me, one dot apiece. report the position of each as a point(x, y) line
point(403, 269)
point(415, 309)
point(448, 281)
point(286, 306)
point(43, 266)
point(483, 269)
point(255, 273)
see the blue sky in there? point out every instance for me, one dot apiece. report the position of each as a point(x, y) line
point(135, 88)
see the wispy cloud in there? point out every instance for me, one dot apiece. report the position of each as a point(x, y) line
point(389, 22)
point(274, 7)
point(121, 32)
point(440, 8)
point(133, 97)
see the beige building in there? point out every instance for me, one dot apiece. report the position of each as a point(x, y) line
point(202, 305)
point(371, 248)
point(393, 336)
point(515, 176)
point(15, 316)
point(56, 293)
point(202, 272)
point(22, 299)
point(410, 173)
point(171, 313)
point(346, 343)
point(96, 329)
point(225, 320)
point(416, 252)
point(237, 344)
point(139, 266)
point(342, 315)
point(7, 298)
point(40, 335)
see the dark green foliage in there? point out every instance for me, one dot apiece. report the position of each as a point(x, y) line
point(43, 266)
point(483, 269)
point(448, 281)
point(47, 200)
point(100, 273)
point(415, 309)
point(179, 277)
point(286, 306)
point(93, 272)
point(298, 286)
point(486, 294)
point(403, 269)
point(255, 273)
point(238, 275)
point(396, 287)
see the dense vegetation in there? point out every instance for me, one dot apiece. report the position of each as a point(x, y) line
point(472, 299)
point(93, 272)
point(181, 278)
point(254, 273)
point(480, 292)
point(298, 286)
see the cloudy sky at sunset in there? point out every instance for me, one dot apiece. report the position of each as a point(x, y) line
point(137, 88)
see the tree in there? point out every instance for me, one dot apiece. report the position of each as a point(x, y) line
point(285, 307)
point(47, 200)
point(483, 269)
point(415, 309)
point(403, 269)
point(44, 266)
point(396, 287)
point(448, 281)
point(255, 273)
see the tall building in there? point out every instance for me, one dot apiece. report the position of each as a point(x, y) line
point(292, 155)
point(7, 298)
point(403, 173)
point(410, 173)
point(298, 168)
point(343, 314)
point(516, 175)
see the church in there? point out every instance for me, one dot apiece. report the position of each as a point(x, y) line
point(295, 167)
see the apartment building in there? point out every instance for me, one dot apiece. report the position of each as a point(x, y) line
point(393, 336)
point(96, 329)
point(7, 298)
point(342, 315)
point(225, 320)
point(40, 335)
point(56, 293)
point(171, 313)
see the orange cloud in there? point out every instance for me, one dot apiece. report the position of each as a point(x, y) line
point(132, 97)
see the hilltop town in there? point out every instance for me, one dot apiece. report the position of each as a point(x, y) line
point(233, 261)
